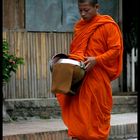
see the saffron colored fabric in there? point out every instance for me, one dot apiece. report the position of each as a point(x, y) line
point(87, 114)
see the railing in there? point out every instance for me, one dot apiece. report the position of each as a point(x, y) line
point(131, 69)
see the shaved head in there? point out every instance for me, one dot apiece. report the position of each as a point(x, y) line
point(92, 2)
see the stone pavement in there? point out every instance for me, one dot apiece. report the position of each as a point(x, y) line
point(124, 126)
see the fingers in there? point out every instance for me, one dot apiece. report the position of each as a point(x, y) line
point(87, 60)
point(89, 63)
point(86, 67)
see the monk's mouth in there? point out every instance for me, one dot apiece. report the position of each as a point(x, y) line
point(85, 18)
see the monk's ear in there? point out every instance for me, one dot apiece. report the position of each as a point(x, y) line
point(97, 6)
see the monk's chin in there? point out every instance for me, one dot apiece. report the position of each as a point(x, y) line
point(86, 19)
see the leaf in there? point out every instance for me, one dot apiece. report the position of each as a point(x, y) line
point(10, 62)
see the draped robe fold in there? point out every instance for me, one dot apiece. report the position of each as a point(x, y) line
point(87, 114)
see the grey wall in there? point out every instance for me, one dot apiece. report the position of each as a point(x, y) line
point(60, 15)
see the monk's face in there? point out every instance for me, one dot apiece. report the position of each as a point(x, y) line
point(87, 11)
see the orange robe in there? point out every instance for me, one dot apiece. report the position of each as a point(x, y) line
point(87, 114)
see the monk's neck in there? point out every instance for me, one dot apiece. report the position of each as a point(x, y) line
point(94, 18)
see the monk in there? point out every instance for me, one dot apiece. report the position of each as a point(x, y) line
point(98, 42)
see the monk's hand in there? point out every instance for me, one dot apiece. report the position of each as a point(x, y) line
point(89, 63)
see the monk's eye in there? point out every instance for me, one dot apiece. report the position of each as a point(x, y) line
point(85, 10)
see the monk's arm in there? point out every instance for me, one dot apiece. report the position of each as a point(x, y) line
point(114, 45)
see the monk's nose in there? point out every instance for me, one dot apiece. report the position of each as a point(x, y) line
point(83, 13)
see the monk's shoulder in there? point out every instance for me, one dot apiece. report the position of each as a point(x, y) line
point(109, 29)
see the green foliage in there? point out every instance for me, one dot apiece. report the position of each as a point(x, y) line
point(9, 62)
